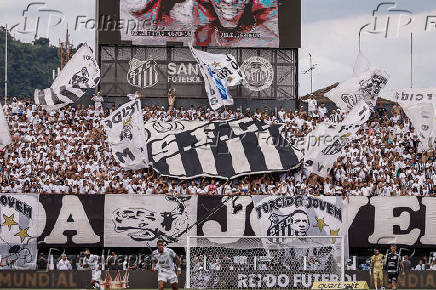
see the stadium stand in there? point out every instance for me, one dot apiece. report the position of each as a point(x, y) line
point(66, 152)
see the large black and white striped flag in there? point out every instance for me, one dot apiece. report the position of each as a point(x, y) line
point(78, 75)
point(221, 149)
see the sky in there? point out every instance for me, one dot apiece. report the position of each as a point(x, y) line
point(330, 31)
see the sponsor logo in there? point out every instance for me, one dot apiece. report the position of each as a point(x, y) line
point(259, 73)
point(183, 73)
point(260, 280)
point(142, 73)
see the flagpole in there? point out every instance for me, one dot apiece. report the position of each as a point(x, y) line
point(360, 32)
point(6, 63)
point(411, 60)
point(311, 75)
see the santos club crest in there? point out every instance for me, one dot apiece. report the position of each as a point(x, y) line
point(142, 73)
point(259, 73)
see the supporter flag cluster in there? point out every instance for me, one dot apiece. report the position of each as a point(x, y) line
point(79, 74)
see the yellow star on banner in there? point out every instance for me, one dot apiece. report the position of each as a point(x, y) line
point(9, 221)
point(320, 224)
point(229, 79)
point(334, 233)
point(22, 234)
point(216, 64)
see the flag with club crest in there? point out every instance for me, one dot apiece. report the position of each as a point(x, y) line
point(220, 71)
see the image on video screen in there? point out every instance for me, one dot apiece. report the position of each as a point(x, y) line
point(219, 23)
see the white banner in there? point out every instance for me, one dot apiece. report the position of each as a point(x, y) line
point(18, 231)
point(219, 71)
point(140, 221)
point(366, 86)
point(126, 137)
point(419, 106)
point(324, 144)
point(5, 135)
point(303, 216)
point(80, 73)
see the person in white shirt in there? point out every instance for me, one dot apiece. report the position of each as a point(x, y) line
point(92, 262)
point(134, 96)
point(322, 111)
point(192, 189)
point(64, 263)
point(164, 261)
point(311, 105)
point(420, 266)
point(98, 99)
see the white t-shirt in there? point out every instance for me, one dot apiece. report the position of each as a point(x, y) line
point(165, 260)
point(64, 265)
point(92, 261)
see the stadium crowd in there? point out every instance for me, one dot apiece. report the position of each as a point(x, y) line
point(66, 151)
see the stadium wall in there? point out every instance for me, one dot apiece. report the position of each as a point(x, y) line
point(106, 220)
point(148, 279)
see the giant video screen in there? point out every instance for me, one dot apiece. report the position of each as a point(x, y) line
point(214, 23)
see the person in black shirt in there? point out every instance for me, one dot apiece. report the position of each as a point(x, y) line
point(393, 264)
point(42, 263)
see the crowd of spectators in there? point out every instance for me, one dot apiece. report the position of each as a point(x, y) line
point(65, 151)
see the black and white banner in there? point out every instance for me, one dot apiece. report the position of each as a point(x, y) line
point(79, 74)
point(135, 220)
point(71, 220)
point(404, 220)
point(18, 231)
point(366, 86)
point(125, 135)
point(419, 105)
point(324, 145)
point(302, 216)
point(221, 149)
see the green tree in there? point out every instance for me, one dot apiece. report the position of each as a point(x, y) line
point(30, 65)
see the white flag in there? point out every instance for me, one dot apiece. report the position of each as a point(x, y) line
point(324, 144)
point(366, 86)
point(219, 71)
point(5, 135)
point(126, 135)
point(361, 65)
point(419, 106)
point(78, 75)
